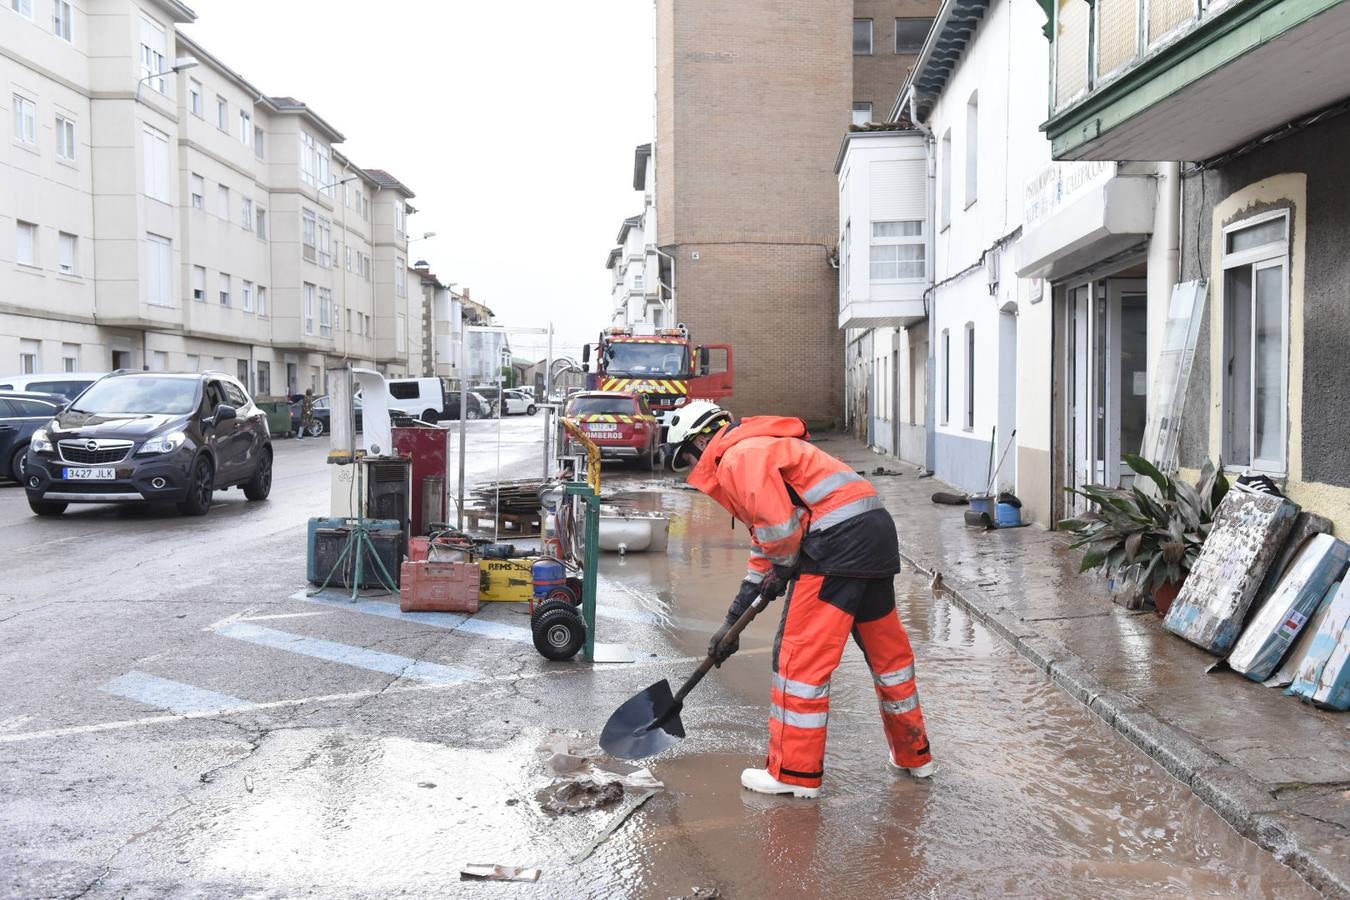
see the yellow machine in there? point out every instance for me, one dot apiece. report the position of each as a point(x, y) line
point(506, 579)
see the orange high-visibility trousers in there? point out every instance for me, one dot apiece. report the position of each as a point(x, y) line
point(821, 611)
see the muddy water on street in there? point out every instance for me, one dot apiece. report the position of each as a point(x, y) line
point(1034, 796)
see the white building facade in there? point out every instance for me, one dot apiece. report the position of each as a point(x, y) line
point(636, 288)
point(158, 211)
point(884, 250)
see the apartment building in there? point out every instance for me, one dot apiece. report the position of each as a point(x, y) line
point(752, 99)
point(634, 265)
point(166, 214)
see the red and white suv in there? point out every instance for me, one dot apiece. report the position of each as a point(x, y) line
point(621, 424)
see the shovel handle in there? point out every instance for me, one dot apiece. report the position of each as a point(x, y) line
point(706, 666)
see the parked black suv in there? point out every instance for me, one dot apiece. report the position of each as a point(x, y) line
point(151, 437)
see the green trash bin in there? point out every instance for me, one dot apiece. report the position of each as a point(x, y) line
point(278, 417)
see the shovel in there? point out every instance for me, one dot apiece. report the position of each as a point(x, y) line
point(649, 722)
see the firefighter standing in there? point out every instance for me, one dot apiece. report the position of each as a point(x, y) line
point(815, 521)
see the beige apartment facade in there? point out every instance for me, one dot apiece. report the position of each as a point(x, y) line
point(163, 213)
point(752, 101)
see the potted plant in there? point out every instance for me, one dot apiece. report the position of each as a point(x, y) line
point(1155, 534)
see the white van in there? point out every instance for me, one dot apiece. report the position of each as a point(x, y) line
point(67, 384)
point(421, 398)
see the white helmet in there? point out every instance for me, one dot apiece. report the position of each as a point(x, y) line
point(694, 419)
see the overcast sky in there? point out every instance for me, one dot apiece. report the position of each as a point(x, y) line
point(514, 125)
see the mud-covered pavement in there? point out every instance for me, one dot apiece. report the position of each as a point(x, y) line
point(177, 719)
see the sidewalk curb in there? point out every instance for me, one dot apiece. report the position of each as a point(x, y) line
point(1244, 803)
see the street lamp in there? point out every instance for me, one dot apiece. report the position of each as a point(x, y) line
point(346, 342)
point(425, 235)
point(183, 62)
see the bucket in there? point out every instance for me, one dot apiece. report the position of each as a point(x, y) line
point(549, 577)
point(1007, 515)
point(982, 504)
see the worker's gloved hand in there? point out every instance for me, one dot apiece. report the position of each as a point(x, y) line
point(744, 597)
point(775, 584)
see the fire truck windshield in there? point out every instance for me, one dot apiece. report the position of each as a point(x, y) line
point(648, 358)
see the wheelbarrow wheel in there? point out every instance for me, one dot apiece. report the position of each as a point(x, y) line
point(550, 603)
point(559, 632)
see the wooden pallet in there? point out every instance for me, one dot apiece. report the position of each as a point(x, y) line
point(514, 524)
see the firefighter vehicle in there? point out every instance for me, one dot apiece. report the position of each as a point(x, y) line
point(662, 365)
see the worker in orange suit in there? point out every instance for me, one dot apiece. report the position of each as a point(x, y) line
point(819, 526)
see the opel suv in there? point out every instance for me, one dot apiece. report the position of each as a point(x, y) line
point(151, 437)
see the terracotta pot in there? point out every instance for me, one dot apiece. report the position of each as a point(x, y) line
point(1164, 594)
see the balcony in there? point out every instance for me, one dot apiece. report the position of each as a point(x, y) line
point(1189, 79)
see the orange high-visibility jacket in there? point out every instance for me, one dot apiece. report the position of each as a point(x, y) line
point(764, 473)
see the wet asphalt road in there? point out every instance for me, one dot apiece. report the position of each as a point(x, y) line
point(179, 719)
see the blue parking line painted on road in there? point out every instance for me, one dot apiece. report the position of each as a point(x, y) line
point(171, 695)
point(359, 657)
point(448, 621)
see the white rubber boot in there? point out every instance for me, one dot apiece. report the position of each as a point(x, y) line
point(760, 781)
point(924, 771)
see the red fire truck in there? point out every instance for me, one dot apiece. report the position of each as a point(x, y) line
point(663, 365)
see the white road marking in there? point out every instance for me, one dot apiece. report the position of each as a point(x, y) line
point(347, 655)
point(171, 695)
point(123, 724)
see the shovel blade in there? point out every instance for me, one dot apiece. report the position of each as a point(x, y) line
point(645, 725)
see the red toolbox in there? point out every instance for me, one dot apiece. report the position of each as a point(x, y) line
point(428, 586)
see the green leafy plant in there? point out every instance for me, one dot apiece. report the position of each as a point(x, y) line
point(1159, 532)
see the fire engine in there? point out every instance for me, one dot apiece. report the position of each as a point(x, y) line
point(661, 364)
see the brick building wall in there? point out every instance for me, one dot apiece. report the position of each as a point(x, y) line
point(753, 99)
point(877, 78)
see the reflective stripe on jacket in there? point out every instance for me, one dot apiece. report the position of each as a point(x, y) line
point(764, 473)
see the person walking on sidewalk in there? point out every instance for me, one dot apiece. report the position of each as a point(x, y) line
point(306, 414)
point(820, 527)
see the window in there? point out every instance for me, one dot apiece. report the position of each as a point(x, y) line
point(224, 289)
point(910, 34)
point(347, 257)
point(972, 148)
point(862, 37)
point(156, 148)
point(351, 317)
point(366, 329)
point(67, 255)
point(70, 357)
point(400, 217)
point(862, 113)
point(314, 163)
point(898, 250)
point(199, 283)
point(65, 139)
point(401, 334)
point(158, 270)
point(152, 56)
point(194, 362)
point(263, 385)
point(325, 312)
point(61, 19)
point(22, 7)
point(637, 282)
point(248, 296)
point(25, 120)
point(262, 223)
point(262, 300)
point(946, 376)
point(1256, 343)
point(246, 215)
point(197, 188)
point(259, 141)
point(26, 244)
point(970, 376)
point(223, 201)
point(159, 361)
point(195, 97)
point(222, 113)
point(945, 161)
point(309, 308)
point(28, 357)
point(325, 232)
point(309, 231)
point(400, 276)
point(245, 128)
